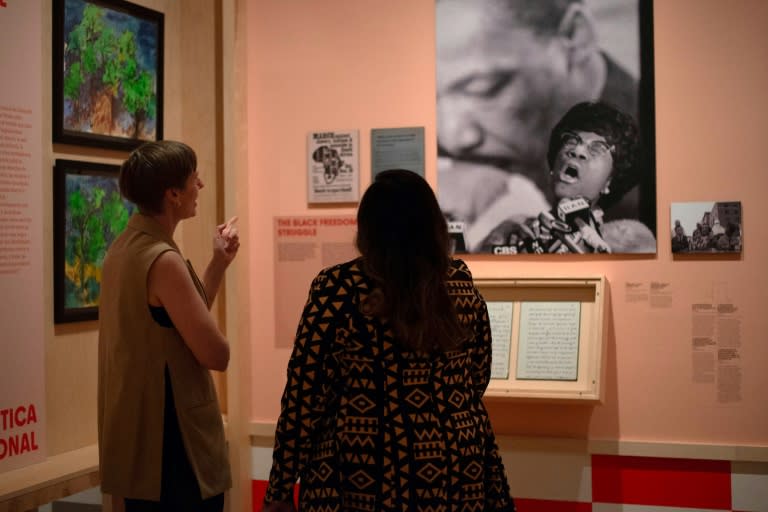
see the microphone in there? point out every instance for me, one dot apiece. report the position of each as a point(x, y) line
point(569, 209)
point(577, 214)
point(549, 222)
point(571, 227)
point(556, 233)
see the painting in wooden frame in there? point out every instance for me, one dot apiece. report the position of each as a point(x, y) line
point(107, 73)
point(89, 213)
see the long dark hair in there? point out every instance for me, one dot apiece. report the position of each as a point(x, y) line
point(403, 239)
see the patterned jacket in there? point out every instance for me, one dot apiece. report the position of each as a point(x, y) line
point(366, 425)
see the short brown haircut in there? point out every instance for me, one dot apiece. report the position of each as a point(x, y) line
point(153, 168)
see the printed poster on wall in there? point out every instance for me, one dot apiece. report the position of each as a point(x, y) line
point(303, 247)
point(22, 384)
point(397, 148)
point(333, 167)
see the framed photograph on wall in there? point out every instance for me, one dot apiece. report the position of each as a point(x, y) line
point(707, 227)
point(107, 73)
point(530, 96)
point(88, 214)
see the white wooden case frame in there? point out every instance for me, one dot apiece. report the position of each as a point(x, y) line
point(591, 293)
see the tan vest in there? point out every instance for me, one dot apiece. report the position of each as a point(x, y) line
point(133, 353)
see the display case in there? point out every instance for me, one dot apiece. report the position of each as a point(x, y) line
point(548, 337)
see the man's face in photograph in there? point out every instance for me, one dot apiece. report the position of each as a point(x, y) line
point(500, 86)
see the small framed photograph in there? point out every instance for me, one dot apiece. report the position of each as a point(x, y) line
point(107, 73)
point(88, 214)
point(706, 227)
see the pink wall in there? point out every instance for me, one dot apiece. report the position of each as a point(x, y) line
point(351, 64)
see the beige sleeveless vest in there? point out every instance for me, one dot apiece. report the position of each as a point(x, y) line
point(133, 353)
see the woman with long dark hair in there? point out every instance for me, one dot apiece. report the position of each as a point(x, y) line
point(382, 407)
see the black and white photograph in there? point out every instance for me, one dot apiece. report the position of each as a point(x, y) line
point(545, 125)
point(706, 227)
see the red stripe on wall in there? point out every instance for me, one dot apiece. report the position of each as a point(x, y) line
point(259, 490)
point(661, 481)
point(527, 505)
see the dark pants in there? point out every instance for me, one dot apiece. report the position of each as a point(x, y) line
point(180, 491)
point(215, 504)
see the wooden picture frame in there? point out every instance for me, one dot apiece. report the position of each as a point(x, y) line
point(548, 336)
point(107, 73)
point(88, 214)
